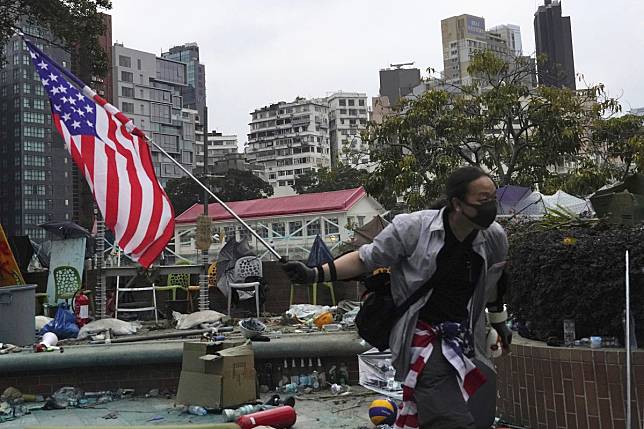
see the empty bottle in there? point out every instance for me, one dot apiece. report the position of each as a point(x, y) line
point(295, 379)
point(197, 410)
point(343, 374)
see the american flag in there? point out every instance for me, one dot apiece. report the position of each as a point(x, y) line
point(115, 158)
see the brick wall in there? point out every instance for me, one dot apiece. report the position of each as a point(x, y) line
point(141, 378)
point(548, 387)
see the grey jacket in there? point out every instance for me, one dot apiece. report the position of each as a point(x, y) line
point(409, 245)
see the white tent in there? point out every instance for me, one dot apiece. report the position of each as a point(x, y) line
point(567, 201)
point(531, 205)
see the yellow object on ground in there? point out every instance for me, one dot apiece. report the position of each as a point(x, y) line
point(323, 319)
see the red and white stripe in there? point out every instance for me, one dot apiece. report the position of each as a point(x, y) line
point(468, 375)
point(118, 167)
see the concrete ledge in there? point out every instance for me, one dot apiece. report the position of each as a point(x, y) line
point(170, 352)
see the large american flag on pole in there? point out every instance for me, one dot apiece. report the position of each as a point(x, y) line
point(115, 159)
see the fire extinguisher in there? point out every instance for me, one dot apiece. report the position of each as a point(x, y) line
point(81, 308)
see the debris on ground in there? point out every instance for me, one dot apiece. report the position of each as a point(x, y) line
point(115, 326)
point(187, 321)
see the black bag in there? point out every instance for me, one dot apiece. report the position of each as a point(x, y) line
point(378, 313)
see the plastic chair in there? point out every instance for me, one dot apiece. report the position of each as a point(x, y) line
point(314, 287)
point(175, 281)
point(67, 282)
point(246, 266)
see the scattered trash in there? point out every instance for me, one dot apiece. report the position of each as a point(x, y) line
point(155, 419)
point(306, 311)
point(349, 318)
point(9, 348)
point(63, 325)
point(378, 374)
point(153, 393)
point(332, 327)
point(115, 326)
point(187, 321)
point(41, 321)
point(251, 328)
point(231, 415)
point(323, 319)
point(111, 415)
point(10, 394)
point(197, 410)
point(67, 396)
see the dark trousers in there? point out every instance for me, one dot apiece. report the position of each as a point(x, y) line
point(438, 396)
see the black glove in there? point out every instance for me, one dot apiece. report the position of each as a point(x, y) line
point(299, 272)
point(505, 334)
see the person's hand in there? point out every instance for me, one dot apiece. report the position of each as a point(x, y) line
point(299, 272)
point(505, 334)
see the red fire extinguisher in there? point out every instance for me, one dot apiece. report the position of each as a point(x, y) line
point(280, 418)
point(81, 308)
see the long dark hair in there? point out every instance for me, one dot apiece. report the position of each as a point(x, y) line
point(457, 185)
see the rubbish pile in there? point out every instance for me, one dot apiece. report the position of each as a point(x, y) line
point(309, 317)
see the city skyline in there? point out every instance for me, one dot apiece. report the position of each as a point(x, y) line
point(258, 53)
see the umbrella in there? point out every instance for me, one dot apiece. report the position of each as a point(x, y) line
point(226, 259)
point(65, 229)
point(43, 252)
point(319, 254)
point(508, 196)
point(367, 232)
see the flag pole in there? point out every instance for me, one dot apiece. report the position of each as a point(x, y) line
point(628, 345)
point(160, 149)
point(228, 209)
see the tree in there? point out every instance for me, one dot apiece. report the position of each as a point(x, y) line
point(619, 142)
point(235, 185)
point(326, 179)
point(500, 122)
point(74, 23)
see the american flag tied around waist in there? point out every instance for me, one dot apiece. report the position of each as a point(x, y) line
point(457, 349)
point(115, 159)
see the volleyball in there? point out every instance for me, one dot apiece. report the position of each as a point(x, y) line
point(383, 412)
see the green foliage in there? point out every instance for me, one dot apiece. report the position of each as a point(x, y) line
point(236, 185)
point(577, 273)
point(500, 122)
point(326, 179)
point(74, 23)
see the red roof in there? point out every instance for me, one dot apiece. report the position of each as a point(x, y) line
point(279, 206)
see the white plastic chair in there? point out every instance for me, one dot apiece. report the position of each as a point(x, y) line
point(246, 266)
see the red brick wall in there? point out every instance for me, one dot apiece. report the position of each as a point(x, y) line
point(547, 387)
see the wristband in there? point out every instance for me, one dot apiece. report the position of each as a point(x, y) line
point(497, 317)
point(332, 272)
point(320, 274)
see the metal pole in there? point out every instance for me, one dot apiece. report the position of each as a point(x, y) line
point(228, 209)
point(203, 278)
point(100, 299)
point(628, 345)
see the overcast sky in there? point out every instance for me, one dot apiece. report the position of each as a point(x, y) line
point(258, 52)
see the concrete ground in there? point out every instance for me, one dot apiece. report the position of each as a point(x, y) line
point(316, 410)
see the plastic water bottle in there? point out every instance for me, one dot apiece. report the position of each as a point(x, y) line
point(197, 410)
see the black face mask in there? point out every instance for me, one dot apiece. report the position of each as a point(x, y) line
point(485, 214)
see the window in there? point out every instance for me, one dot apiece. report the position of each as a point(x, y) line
point(262, 231)
point(360, 102)
point(330, 227)
point(34, 132)
point(313, 228)
point(125, 61)
point(278, 229)
point(35, 219)
point(138, 63)
point(34, 190)
point(34, 160)
point(229, 232)
point(127, 76)
point(127, 91)
point(343, 102)
point(295, 228)
point(36, 233)
point(34, 205)
point(34, 117)
point(34, 146)
point(127, 107)
point(352, 102)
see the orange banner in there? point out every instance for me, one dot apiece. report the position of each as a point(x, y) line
point(9, 272)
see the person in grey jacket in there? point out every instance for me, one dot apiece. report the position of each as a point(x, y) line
point(438, 346)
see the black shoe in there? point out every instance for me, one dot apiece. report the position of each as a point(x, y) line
point(273, 401)
point(290, 401)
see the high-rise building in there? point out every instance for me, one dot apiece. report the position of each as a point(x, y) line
point(194, 95)
point(218, 146)
point(83, 200)
point(289, 139)
point(148, 89)
point(348, 116)
point(465, 35)
point(553, 40)
point(397, 82)
point(511, 34)
point(35, 166)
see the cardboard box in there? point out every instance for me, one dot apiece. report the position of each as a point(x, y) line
point(193, 351)
point(227, 379)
